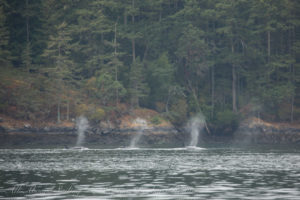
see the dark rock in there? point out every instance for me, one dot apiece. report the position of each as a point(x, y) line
point(106, 131)
point(30, 129)
point(257, 131)
point(107, 134)
point(2, 129)
point(46, 129)
point(27, 126)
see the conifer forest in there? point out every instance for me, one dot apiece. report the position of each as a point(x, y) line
point(227, 59)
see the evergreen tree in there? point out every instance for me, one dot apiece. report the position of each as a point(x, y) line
point(138, 88)
point(108, 89)
point(161, 80)
point(217, 56)
point(57, 52)
point(193, 53)
point(5, 56)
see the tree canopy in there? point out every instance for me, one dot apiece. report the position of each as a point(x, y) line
point(223, 58)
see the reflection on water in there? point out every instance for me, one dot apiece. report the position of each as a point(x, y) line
point(217, 173)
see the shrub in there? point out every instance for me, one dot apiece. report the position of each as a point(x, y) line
point(160, 107)
point(97, 115)
point(92, 112)
point(226, 120)
point(82, 109)
point(178, 112)
point(156, 120)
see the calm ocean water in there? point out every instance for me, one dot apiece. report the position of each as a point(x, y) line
point(173, 173)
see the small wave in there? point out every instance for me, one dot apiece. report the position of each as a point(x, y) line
point(80, 148)
point(194, 148)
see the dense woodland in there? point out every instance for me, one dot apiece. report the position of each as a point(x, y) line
point(228, 59)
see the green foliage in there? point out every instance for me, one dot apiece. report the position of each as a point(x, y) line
point(180, 57)
point(275, 94)
point(108, 89)
point(58, 50)
point(138, 88)
point(94, 113)
point(206, 111)
point(22, 96)
point(178, 112)
point(82, 109)
point(26, 56)
point(226, 119)
point(161, 75)
point(97, 115)
point(5, 56)
point(156, 120)
point(28, 22)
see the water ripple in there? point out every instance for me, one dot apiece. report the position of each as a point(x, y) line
point(180, 173)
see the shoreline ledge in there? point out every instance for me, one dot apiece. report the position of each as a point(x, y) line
point(250, 131)
point(257, 131)
point(65, 135)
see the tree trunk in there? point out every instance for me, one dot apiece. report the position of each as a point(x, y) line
point(125, 18)
point(293, 95)
point(102, 37)
point(116, 66)
point(212, 91)
point(27, 60)
point(27, 23)
point(168, 99)
point(58, 112)
point(27, 29)
point(68, 110)
point(292, 53)
point(133, 49)
point(115, 39)
point(135, 98)
point(234, 107)
point(117, 90)
point(269, 45)
point(237, 84)
point(292, 108)
point(194, 95)
point(146, 51)
point(160, 15)
point(133, 39)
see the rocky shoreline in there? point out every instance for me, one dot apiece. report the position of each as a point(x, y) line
point(250, 131)
point(67, 136)
point(257, 131)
